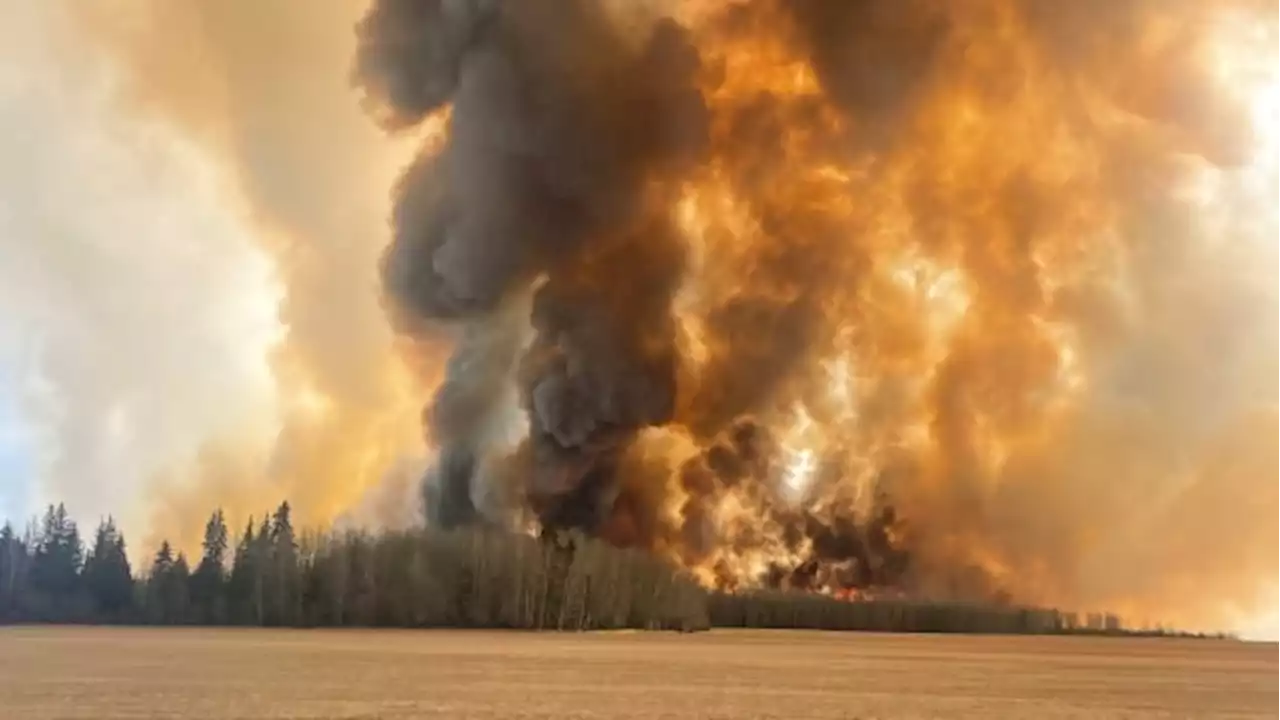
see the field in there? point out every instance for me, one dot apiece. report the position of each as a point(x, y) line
point(101, 673)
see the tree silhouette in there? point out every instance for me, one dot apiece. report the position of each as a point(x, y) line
point(106, 573)
point(55, 566)
point(283, 581)
point(244, 589)
point(167, 587)
point(14, 566)
point(208, 592)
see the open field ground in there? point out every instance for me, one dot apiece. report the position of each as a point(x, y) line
point(101, 673)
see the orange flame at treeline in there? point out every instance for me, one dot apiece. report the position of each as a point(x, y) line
point(1022, 334)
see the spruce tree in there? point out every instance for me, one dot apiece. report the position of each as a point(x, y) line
point(260, 553)
point(157, 584)
point(208, 591)
point(167, 598)
point(282, 578)
point(55, 567)
point(14, 564)
point(107, 574)
point(244, 575)
point(177, 593)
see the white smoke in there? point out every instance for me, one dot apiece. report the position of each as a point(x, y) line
point(137, 314)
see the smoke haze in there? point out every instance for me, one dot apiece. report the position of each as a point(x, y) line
point(137, 309)
point(258, 100)
point(266, 89)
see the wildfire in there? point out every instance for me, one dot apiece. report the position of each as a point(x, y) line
point(865, 297)
point(926, 260)
point(948, 264)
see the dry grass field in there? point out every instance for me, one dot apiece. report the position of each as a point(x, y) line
point(101, 673)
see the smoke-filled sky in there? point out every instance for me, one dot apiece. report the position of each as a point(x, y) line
point(192, 213)
point(137, 309)
point(16, 469)
point(196, 198)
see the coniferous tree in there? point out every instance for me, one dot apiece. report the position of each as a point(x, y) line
point(159, 592)
point(58, 552)
point(14, 564)
point(177, 591)
point(261, 554)
point(164, 558)
point(242, 588)
point(214, 545)
point(55, 567)
point(107, 576)
point(360, 587)
point(208, 591)
point(166, 595)
point(283, 584)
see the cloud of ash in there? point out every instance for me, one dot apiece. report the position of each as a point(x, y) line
point(956, 299)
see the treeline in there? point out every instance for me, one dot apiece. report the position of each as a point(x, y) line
point(269, 575)
point(804, 610)
point(781, 609)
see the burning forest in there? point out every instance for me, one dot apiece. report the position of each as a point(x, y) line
point(958, 299)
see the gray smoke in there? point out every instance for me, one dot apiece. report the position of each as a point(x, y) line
point(562, 123)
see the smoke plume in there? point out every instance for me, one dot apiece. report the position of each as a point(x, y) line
point(555, 171)
point(970, 299)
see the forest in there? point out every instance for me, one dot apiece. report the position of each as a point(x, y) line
point(268, 574)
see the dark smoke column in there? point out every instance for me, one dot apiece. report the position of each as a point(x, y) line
point(565, 132)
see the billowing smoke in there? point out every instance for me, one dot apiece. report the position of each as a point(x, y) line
point(959, 299)
point(556, 173)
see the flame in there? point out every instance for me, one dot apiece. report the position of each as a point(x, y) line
point(978, 270)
